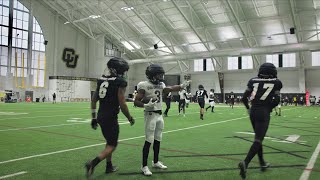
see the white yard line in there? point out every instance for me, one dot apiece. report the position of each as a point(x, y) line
point(57, 125)
point(33, 117)
point(306, 173)
point(93, 145)
point(123, 121)
point(15, 174)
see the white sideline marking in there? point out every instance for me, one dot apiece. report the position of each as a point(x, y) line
point(11, 113)
point(290, 139)
point(36, 127)
point(11, 175)
point(306, 173)
point(33, 117)
point(93, 145)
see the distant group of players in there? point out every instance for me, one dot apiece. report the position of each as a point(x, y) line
point(263, 92)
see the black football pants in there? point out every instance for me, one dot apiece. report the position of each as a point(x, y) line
point(260, 119)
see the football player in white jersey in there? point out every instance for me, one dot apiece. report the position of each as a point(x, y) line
point(150, 98)
point(182, 101)
point(211, 100)
point(188, 99)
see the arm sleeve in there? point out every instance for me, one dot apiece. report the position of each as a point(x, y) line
point(122, 82)
point(247, 94)
point(276, 96)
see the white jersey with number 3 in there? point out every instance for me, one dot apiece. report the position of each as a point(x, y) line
point(152, 91)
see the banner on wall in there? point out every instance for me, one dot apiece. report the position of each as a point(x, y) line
point(72, 78)
point(307, 98)
point(70, 57)
point(221, 83)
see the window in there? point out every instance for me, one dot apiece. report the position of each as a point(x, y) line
point(246, 62)
point(232, 63)
point(198, 65)
point(210, 66)
point(315, 58)
point(203, 65)
point(289, 60)
point(282, 60)
point(20, 43)
point(273, 58)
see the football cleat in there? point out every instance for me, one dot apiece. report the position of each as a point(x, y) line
point(89, 169)
point(243, 169)
point(111, 169)
point(146, 171)
point(159, 165)
point(264, 167)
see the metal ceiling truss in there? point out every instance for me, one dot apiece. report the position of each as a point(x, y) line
point(120, 32)
point(191, 24)
point(296, 25)
point(236, 14)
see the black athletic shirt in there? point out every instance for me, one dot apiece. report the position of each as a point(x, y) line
point(263, 91)
point(201, 94)
point(107, 88)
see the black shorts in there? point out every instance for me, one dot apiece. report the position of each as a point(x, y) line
point(260, 119)
point(201, 104)
point(182, 103)
point(110, 130)
point(232, 101)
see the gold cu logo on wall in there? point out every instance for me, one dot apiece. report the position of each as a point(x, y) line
point(70, 57)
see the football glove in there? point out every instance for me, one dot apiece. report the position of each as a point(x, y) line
point(131, 120)
point(150, 104)
point(185, 84)
point(94, 124)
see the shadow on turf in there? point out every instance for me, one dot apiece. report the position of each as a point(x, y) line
point(233, 154)
point(209, 170)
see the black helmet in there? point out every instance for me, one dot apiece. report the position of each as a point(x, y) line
point(117, 66)
point(155, 73)
point(267, 70)
point(200, 87)
point(212, 90)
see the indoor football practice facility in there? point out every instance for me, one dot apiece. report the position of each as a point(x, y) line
point(163, 89)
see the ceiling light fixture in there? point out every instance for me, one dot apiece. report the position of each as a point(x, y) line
point(94, 16)
point(127, 8)
point(67, 22)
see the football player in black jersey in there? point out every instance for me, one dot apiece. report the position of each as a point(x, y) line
point(232, 97)
point(111, 95)
point(201, 93)
point(264, 93)
point(167, 99)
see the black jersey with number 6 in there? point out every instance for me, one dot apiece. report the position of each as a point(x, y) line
point(263, 91)
point(107, 88)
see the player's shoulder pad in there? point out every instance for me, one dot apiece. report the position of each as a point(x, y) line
point(162, 84)
point(278, 83)
point(121, 82)
point(142, 85)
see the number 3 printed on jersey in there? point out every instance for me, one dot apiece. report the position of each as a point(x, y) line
point(157, 92)
point(103, 89)
point(267, 86)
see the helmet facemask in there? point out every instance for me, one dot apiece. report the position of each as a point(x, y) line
point(157, 78)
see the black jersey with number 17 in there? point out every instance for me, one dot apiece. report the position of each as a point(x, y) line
point(263, 90)
point(107, 88)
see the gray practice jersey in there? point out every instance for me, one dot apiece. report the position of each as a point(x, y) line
point(153, 91)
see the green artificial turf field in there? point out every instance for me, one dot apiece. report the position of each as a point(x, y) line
point(53, 141)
